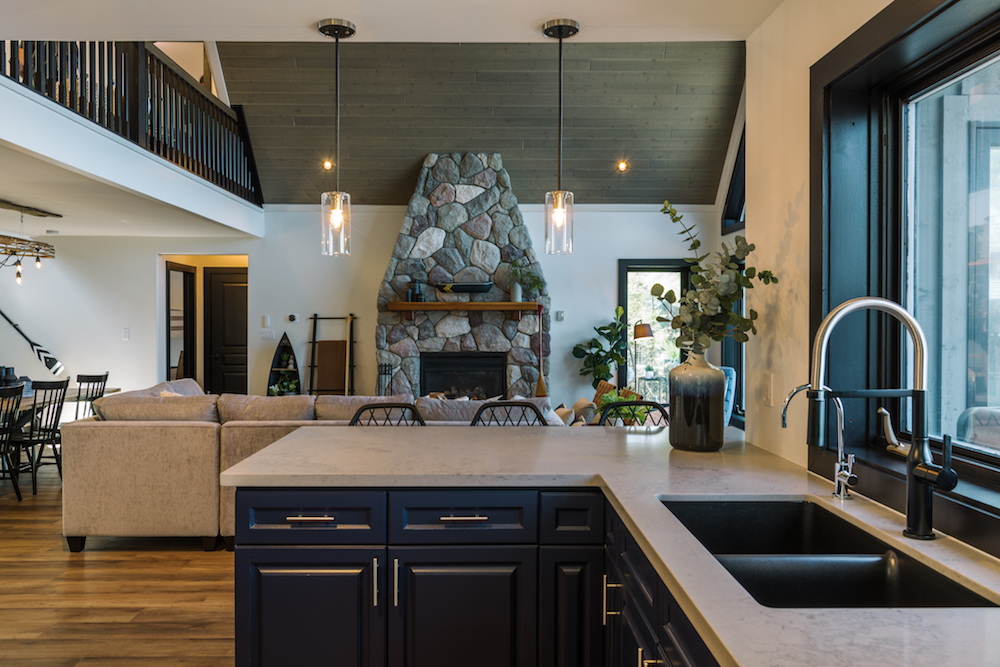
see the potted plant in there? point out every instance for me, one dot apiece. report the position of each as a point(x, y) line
point(599, 360)
point(637, 413)
point(287, 384)
point(702, 314)
point(523, 274)
point(650, 372)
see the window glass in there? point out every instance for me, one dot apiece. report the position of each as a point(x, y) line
point(952, 250)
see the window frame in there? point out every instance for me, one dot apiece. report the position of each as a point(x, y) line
point(733, 213)
point(626, 266)
point(734, 355)
point(856, 92)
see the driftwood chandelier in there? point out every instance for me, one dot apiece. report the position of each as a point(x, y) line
point(16, 249)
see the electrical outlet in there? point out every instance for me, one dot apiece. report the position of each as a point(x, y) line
point(769, 389)
point(125, 334)
point(267, 334)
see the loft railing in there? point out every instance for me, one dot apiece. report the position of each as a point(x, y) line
point(137, 92)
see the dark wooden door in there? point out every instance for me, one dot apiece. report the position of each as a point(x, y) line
point(225, 330)
point(570, 583)
point(308, 606)
point(463, 605)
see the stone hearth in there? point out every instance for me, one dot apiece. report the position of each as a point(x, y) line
point(462, 225)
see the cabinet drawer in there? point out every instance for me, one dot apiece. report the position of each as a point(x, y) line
point(572, 517)
point(641, 580)
point(681, 642)
point(463, 517)
point(310, 516)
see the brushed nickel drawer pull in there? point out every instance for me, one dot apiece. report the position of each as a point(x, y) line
point(374, 582)
point(307, 519)
point(465, 518)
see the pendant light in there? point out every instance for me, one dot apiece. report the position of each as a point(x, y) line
point(336, 206)
point(559, 203)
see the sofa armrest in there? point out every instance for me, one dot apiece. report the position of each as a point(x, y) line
point(158, 478)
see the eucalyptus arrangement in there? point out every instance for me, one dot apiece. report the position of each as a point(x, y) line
point(705, 311)
point(599, 360)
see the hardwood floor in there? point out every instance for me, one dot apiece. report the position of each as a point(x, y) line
point(121, 601)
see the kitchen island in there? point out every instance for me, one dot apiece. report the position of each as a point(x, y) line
point(635, 470)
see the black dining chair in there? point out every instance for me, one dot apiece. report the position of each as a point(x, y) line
point(387, 414)
point(43, 428)
point(10, 409)
point(89, 389)
point(634, 413)
point(508, 413)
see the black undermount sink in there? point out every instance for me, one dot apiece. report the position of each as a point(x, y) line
point(796, 554)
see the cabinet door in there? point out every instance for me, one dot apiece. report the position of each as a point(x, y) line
point(309, 605)
point(569, 606)
point(611, 606)
point(461, 606)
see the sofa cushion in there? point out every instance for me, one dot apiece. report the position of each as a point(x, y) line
point(344, 407)
point(127, 407)
point(443, 409)
point(238, 407)
point(184, 387)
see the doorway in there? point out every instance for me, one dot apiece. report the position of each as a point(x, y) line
point(225, 330)
point(181, 323)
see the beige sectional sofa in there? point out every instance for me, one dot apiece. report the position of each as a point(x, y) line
point(148, 463)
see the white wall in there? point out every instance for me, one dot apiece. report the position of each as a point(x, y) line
point(779, 55)
point(78, 304)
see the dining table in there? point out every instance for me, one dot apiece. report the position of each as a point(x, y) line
point(29, 408)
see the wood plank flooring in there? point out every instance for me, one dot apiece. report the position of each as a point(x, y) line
point(121, 601)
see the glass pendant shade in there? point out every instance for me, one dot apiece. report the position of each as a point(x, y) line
point(559, 222)
point(336, 212)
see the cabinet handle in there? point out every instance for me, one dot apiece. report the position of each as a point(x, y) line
point(395, 582)
point(307, 519)
point(646, 663)
point(375, 582)
point(465, 518)
point(607, 613)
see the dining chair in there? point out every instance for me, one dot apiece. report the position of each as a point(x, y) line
point(387, 414)
point(508, 413)
point(89, 388)
point(42, 429)
point(10, 409)
point(634, 413)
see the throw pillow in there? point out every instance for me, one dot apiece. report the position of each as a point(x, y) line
point(343, 407)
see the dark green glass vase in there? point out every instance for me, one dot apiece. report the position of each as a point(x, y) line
point(697, 405)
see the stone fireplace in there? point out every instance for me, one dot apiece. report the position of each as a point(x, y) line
point(462, 225)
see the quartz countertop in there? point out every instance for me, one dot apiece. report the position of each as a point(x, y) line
point(635, 469)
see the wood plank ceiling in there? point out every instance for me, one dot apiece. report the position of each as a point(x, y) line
point(666, 108)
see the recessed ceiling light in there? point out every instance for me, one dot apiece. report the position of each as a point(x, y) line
point(623, 166)
point(328, 165)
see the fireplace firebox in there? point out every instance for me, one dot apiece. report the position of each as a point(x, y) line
point(478, 375)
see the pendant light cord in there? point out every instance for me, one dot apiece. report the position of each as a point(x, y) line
point(559, 177)
point(337, 100)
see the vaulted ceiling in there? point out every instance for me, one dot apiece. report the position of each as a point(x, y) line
point(666, 108)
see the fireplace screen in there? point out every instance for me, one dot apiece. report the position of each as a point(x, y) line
point(478, 375)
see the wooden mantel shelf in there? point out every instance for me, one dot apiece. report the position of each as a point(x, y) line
point(409, 307)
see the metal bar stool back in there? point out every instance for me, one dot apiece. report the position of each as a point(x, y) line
point(634, 413)
point(387, 414)
point(509, 413)
point(10, 408)
point(43, 428)
point(90, 388)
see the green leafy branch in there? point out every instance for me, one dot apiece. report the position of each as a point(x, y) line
point(705, 312)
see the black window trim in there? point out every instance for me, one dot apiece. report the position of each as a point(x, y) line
point(627, 265)
point(905, 48)
point(736, 197)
